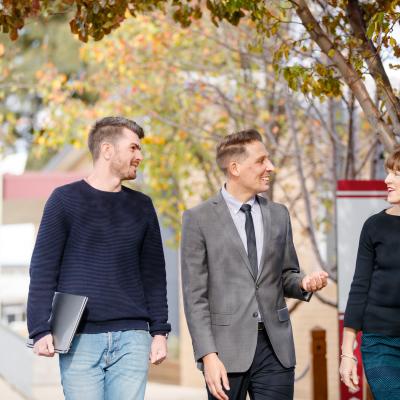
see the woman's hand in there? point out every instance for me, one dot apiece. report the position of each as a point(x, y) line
point(348, 364)
point(348, 373)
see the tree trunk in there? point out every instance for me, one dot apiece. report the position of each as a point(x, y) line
point(302, 180)
point(350, 170)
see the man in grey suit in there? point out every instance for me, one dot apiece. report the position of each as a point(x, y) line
point(238, 265)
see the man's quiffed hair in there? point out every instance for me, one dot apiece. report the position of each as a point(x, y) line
point(108, 129)
point(234, 146)
point(393, 160)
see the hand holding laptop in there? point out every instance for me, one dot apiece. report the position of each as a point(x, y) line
point(44, 346)
point(66, 313)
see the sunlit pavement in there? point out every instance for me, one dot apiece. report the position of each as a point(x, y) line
point(154, 391)
point(6, 393)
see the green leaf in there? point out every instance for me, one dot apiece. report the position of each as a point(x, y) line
point(371, 29)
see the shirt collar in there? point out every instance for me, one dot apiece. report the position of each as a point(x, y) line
point(232, 202)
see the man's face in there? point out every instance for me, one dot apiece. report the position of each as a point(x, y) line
point(127, 156)
point(254, 170)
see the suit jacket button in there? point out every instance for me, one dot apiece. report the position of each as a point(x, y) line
point(257, 287)
point(255, 314)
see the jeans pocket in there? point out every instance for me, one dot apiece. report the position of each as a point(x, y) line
point(138, 337)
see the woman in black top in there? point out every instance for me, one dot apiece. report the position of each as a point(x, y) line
point(373, 306)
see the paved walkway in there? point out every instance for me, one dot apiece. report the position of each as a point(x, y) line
point(154, 391)
point(157, 391)
point(7, 393)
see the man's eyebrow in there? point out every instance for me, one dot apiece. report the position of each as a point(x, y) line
point(136, 145)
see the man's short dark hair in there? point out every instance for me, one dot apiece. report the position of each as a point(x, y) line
point(108, 129)
point(234, 146)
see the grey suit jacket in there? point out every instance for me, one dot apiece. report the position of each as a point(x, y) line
point(221, 296)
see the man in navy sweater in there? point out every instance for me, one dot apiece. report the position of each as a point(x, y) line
point(102, 240)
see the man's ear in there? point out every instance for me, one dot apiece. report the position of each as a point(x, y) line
point(233, 168)
point(106, 150)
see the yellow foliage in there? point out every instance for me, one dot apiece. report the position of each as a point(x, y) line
point(158, 140)
point(265, 115)
point(39, 74)
point(41, 141)
point(182, 135)
point(148, 140)
point(77, 144)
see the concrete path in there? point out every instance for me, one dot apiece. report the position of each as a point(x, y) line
point(155, 391)
point(7, 393)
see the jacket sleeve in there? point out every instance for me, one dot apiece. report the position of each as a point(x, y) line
point(45, 265)
point(353, 317)
point(153, 275)
point(291, 273)
point(194, 270)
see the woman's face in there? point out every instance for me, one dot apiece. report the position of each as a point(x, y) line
point(393, 186)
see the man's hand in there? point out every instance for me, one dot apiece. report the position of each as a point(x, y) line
point(214, 373)
point(348, 374)
point(44, 346)
point(158, 351)
point(314, 281)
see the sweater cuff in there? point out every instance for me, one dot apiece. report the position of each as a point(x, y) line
point(158, 327)
point(353, 316)
point(39, 336)
point(162, 333)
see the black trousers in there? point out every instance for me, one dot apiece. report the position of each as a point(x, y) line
point(266, 379)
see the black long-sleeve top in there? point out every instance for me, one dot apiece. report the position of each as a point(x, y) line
point(374, 300)
point(104, 245)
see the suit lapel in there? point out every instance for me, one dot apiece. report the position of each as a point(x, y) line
point(266, 217)
point(230, 233)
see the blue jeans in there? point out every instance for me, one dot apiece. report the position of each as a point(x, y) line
point(106, 366)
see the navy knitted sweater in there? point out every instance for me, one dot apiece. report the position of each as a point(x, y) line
point(104, 245)
point(374, 302)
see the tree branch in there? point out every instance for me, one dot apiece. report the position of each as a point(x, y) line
point(302, 180)
point(349, 74)
point(374, 62)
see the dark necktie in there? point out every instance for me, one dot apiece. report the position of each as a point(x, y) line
point(251, 239)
